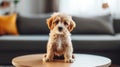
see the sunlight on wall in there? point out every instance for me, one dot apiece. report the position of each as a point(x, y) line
point(115, 8)
point(27, 7)
point(88, 7)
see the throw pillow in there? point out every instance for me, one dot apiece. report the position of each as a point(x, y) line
point(94, 25)
point(8, 25)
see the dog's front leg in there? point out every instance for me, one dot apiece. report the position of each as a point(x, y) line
point(68, 54)
point(50, 54)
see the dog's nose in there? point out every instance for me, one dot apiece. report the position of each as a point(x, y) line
point(60, 28)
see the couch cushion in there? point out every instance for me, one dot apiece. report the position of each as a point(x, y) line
point(94, 25)
point(33, 24)
point(80, 42)
point(23, 43)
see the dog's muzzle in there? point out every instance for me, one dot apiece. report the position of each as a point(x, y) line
point(60, 29)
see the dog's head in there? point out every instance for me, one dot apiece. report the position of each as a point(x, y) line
point(60, 22)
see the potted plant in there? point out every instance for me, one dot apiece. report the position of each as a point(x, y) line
point(15, 3)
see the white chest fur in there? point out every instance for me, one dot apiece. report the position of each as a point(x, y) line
point(59, 42)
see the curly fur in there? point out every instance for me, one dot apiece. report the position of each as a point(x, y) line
point(59, 43)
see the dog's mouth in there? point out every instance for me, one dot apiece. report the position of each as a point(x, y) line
point(60, 33)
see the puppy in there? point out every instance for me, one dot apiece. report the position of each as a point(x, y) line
point(59, 43)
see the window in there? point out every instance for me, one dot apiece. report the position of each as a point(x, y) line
point(90, 7)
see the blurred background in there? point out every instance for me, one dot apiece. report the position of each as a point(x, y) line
point(73, 7)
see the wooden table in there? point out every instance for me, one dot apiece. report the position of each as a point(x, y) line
point(81, 60)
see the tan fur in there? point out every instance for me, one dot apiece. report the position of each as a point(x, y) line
point(60, 41)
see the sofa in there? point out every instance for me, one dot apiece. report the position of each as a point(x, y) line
point(98, 35)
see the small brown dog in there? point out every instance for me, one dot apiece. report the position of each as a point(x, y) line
point(59, 43)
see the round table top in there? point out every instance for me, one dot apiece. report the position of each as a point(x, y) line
point(81, 60)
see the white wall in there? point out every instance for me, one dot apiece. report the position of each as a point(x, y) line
point(82, 7)
point(26, 7)
point(90, 7)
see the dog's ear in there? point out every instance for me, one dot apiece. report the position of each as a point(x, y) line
point(49, 22)
point(72, 25)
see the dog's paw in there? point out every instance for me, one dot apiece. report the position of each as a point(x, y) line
point(69, 60)
point(47, 59)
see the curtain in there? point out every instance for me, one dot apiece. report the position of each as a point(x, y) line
point(90, 7)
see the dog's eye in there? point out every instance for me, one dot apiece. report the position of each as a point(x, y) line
point(65, 23)
point(56, 22)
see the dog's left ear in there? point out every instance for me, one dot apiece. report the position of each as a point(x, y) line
point(72, 25)
point(49, 22)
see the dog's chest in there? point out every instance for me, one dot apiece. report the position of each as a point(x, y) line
point(60, 43)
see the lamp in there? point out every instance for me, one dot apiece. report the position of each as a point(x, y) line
point(105, 4)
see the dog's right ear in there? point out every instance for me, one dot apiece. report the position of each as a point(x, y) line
point(49, 23)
